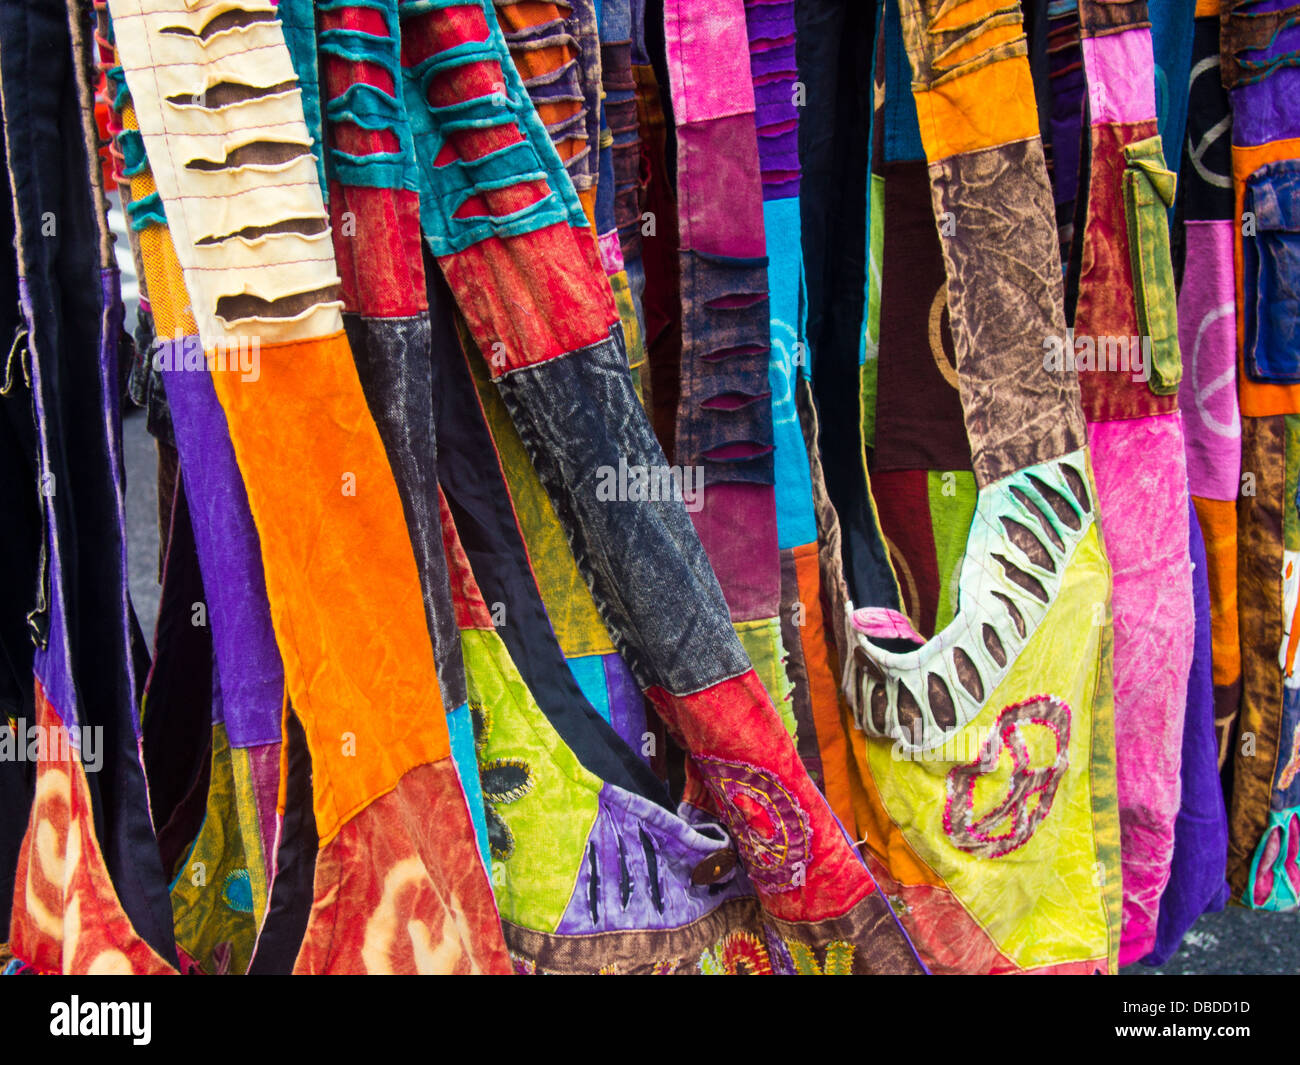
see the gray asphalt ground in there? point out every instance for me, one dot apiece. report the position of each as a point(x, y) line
point(1234, 942)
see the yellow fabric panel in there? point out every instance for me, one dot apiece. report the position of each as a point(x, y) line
point(1041, 904)
point(636, 357)
point(250, 832)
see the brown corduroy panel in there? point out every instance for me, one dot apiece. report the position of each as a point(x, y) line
point(1005, 299)
point(1259, 604)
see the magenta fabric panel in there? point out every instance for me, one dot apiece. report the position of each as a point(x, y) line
point(750, 582)
point(708, 60)
point(1207, 334)
point(719, 188)
point(1121, 76)
point(1141, 484)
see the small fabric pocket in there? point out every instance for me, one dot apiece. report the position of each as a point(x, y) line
point(1148, 194)
point(1271, 273)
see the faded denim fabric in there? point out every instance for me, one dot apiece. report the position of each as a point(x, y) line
point(653, 584)
point(1271, 272)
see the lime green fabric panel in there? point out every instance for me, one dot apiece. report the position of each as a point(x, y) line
point(1148, 194)
point(212, 897)
point(761, 639)
point(871, 326)
point(1045, 898)
point(636, 356)
point(539, 800)
point(952, 507)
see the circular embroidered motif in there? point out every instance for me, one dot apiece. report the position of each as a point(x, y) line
point(771, 830)
point(1035, 775)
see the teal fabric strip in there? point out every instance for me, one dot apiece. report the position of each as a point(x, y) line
point(444, 189)
point(146, 211)
point(298, 18)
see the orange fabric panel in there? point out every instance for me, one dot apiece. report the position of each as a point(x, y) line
point(824, 690)
point(1218, 520)
point(1257, 400)
point(340, 573)
point(526, 13)
point(1207, 8)
point(881, 837)
point(989, 106)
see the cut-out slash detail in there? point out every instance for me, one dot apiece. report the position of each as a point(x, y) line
point(733, 400)
point(227, 20)
point(920, 696)
point(235, 308)
point(225, 93)
point(736, 301)
point(259, 153)
point(303, 227)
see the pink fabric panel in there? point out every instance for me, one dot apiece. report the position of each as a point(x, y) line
point(1207, 335)
point(708, 59)
point(881, 623)
point(1121, 76)
point(1142, 484)
point(752, 588)
point(720, 193)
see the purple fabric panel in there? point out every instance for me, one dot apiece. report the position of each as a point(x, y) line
point(1121, 76)
point(265, 762)
point(708, 60)
point(760, 49)
point(774, 68)
point(1067, 123)
point(1207, 335)
point(1142, 487)
point(719, 189)
point(626, 703)
point(1266, 111)
point(52, 665)
point(1197, 881)
point(640, 57)
point(783, 188)
point(618, 852)
point(780, 152)
point(252, 677)
point(769, 19)
point(775, 102)
point(752, 588)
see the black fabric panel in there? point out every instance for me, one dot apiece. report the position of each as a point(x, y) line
point(177, 711)
point(20, 546)
point(293, 889)
point(50, 166)
point(834, 53)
